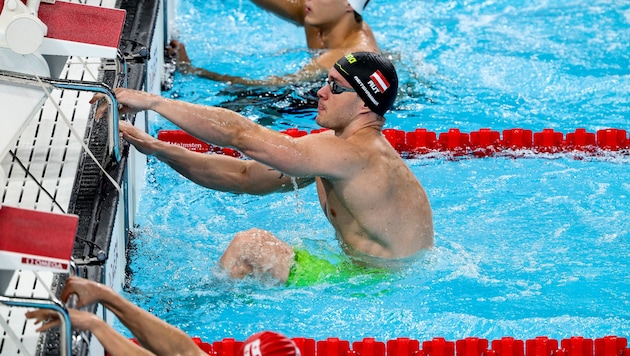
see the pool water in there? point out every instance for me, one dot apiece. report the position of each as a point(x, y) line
point(532, 246)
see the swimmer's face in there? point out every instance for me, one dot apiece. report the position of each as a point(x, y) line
point(337, 110)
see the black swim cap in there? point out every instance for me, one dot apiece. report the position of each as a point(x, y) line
point(373, 77)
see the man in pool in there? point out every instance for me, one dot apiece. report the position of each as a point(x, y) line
point(335, 27)
point(379, 210)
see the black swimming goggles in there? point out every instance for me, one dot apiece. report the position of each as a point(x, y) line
point(338, 89)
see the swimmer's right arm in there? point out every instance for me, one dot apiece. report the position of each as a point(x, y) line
point(292, 10)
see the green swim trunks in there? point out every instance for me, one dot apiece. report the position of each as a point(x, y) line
point(308, 270)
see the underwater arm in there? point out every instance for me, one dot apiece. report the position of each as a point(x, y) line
point(309, 72)
point(188, 68)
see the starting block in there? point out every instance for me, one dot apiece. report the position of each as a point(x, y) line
point(37, 241)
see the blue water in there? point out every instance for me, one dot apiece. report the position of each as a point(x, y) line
point(524, 247)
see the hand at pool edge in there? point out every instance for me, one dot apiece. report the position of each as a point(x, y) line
point(129, 102)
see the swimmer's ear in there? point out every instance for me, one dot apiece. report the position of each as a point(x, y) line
point(364, 108)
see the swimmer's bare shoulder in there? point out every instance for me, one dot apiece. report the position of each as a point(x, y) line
point(363, 41)
point(292, 10)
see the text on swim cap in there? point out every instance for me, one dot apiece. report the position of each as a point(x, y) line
point(350, 58)
point(252, 348)
point(365, 90)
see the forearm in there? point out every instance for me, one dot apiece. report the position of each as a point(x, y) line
point(219, 172)
point(153, 333)
point(214, 125)
point(187, 68)
point(210, 171)
point(113, 342)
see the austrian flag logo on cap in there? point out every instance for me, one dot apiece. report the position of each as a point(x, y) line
point(373, 77)
point(379, 80)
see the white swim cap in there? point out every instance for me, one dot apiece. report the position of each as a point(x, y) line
point(358, 5)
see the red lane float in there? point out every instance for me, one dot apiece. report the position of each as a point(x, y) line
point(471, 346)
point(481, 143)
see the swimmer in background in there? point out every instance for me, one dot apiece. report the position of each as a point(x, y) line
point(334, 26)
point(378, 208)
point(155, 336)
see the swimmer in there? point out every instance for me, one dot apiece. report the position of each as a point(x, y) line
point(335, 27)
point(156, 336)
point(378, 208)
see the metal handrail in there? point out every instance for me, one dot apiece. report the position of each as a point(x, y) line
point(64, 317)
point(121, 70)
point(95, 87)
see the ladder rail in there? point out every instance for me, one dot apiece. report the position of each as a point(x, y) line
point(78, 85)
point(64, 317)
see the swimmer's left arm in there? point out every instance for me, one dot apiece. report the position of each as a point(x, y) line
point(218, 172)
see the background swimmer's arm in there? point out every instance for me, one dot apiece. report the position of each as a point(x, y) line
point(291, 10)
point(114, 342)
point(309, 72)
point(153, 333)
